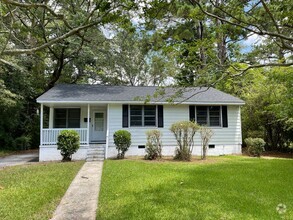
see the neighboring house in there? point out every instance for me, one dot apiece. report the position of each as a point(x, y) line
point(97, 111)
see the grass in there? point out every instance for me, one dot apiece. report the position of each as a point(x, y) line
point(229, 187)
point(34, 191)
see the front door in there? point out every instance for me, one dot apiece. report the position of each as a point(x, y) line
point(99, 126)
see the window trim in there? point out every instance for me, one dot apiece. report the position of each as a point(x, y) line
point(142, 115)
point(208, 115)
point(66, 108)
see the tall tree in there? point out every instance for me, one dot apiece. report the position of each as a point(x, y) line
point(128, 60)
point(270, 20)
point(201, 46)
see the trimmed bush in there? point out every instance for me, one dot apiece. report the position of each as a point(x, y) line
point(205, 135)
point(122, 140)
point(68, 143)
point(255, 146)
point(184, 132)
point(153, 145)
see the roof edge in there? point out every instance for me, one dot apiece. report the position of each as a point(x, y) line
point(139, 102)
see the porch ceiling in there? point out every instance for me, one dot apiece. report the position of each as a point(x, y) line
point(72, 105)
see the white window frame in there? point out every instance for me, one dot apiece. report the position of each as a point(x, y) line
point(54, 126)
point(142, 115)
point(208, 115)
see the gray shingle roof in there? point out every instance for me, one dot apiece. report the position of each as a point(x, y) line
point(103, 93)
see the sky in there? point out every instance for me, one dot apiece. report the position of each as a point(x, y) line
point(247, 44)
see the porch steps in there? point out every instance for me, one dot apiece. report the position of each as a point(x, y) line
point(96, 152)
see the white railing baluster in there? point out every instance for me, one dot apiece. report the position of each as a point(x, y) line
point(50, 135)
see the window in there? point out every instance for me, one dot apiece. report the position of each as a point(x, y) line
point(143, 115)
point(208, 115)
point(67, 118)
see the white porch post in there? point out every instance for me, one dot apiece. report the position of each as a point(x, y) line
point(88, 124)
point(107, 134)
point(41, 125)
point(51, 115)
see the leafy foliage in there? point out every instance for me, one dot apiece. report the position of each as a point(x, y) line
point(268, 111)
point(122, 140)
point(23, 143)
point(68, 143)
point(161, 42)
point(255, 146)
point(153, 145)
point(184, 132)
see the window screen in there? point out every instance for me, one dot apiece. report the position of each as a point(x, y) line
point(67, 118)
point(143, 115)
point(208, 115)
point(135, 115)
point(202, 115)
point(150, 115)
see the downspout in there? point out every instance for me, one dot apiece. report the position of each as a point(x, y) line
point(41, 125)
point(88, 125)
point(107, 134)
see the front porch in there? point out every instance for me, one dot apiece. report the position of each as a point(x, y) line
point(89, 120)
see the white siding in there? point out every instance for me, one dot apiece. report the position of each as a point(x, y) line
point(83, 115)
point(50, 153)
point(226, 140)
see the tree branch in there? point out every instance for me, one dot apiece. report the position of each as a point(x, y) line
point(261, 32)
point(242, 71)
point(55, 40)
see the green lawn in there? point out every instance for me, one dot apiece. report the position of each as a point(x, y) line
point(228, 188)
point(34, 191)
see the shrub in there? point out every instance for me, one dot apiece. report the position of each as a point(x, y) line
point(22, 143)
point(206, 135)
point(184, 132)
point(255, 146)
point(122, 140)
point(153, 145)
point(68, 143)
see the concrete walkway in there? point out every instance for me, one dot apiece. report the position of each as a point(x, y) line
point(81, 199)
point(20, 158)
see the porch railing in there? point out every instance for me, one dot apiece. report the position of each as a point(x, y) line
point(50, 135)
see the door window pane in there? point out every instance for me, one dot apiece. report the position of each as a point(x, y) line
point(99, 121)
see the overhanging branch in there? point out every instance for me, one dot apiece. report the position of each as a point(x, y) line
point(260, 32)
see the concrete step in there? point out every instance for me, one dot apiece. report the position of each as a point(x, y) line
point(94, 159)
point(95, 155)
point(95, 150)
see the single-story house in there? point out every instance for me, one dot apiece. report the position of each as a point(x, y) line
point(97, 111)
